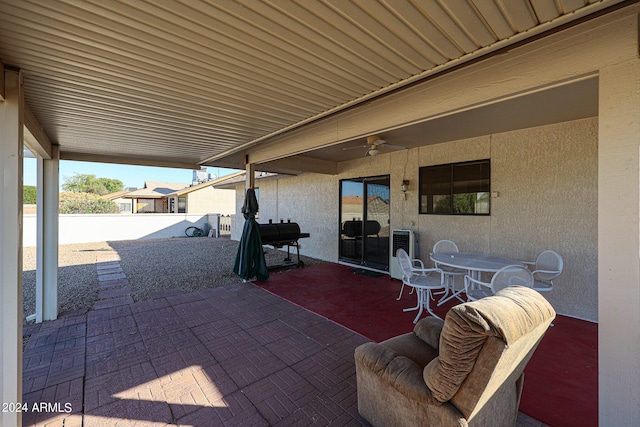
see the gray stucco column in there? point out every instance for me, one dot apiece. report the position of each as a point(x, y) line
point(47, 244)
point(619, 245)
point(11, 246)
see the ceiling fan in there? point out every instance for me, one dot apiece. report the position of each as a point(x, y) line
point(374, 144)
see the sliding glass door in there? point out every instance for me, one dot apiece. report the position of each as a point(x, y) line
point(364, 221)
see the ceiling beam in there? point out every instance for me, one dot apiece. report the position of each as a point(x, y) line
point(36, 138)
point(124, 160)
point(303, 164)
point(317, 135)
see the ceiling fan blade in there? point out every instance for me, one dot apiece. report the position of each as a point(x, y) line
point(395, 147)
point(357, 146)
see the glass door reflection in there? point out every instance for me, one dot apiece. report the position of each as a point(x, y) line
point(364, 221)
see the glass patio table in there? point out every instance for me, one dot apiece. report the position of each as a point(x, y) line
point(475, 263)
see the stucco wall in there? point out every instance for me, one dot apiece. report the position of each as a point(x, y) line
point(107, 227)
point(208, 199)
point(311, 200)
point(546, 179)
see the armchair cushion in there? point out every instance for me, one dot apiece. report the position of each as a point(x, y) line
point(400, 372)
point(421, 345)
point(467, 328)
point(411, 346)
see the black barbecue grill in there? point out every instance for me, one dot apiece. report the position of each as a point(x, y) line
point(283, 234)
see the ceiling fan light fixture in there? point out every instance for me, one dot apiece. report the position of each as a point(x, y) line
point(375, 140)
point(374, 151)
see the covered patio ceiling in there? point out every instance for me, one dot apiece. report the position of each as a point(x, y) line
point(186, 83)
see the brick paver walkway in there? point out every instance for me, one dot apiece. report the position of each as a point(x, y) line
point(113, 286)
point(225, 356)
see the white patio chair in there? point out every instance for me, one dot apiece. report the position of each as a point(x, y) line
point(547, 267)
point(423, 280)
point(450, 273)
point(416, 264)
point(511, 275)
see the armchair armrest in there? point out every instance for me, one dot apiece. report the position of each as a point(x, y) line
point(417, 262)
point(428, 330)
point(398, 371)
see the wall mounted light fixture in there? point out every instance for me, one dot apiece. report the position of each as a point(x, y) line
point(404, 186)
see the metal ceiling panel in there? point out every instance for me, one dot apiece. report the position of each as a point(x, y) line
point(545, 10)
point(183, 81)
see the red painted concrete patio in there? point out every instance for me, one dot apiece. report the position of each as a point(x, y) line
point(234, 355)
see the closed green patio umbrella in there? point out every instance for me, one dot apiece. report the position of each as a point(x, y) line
point(250, 260)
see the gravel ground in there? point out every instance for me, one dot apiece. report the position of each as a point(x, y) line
point(189, 264)
point(77, 276)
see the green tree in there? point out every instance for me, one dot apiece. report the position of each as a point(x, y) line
point(86, 203)
point(464, 203)
point(87, 183)
point(112, 185)
point(29, 195)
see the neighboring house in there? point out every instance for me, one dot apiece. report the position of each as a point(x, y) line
point(154, 197)
point(237, 181)
point(230, 181)
point(169, 197)
point(204, 198)
point(124, 204)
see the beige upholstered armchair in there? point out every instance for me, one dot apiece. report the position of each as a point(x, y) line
point(465, 370)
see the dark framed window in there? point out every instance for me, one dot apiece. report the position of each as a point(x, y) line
point(456, 188)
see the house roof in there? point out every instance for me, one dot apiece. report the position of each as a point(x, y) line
point(240, 178)
point(226, 178)
point(116, 195)
point(201, 83)
point(156, 190)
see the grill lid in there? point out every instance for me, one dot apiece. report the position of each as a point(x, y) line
point(282, 232)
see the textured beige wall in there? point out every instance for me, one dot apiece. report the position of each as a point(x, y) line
point(619, 244)
point(546, 178)
point(210, 200)
point(311, 200)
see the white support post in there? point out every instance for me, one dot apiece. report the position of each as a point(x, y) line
point(619, 245)
point(11, 156)
point(250, 178)
point(47, 245)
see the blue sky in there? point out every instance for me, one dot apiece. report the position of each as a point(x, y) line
point(131, 176)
